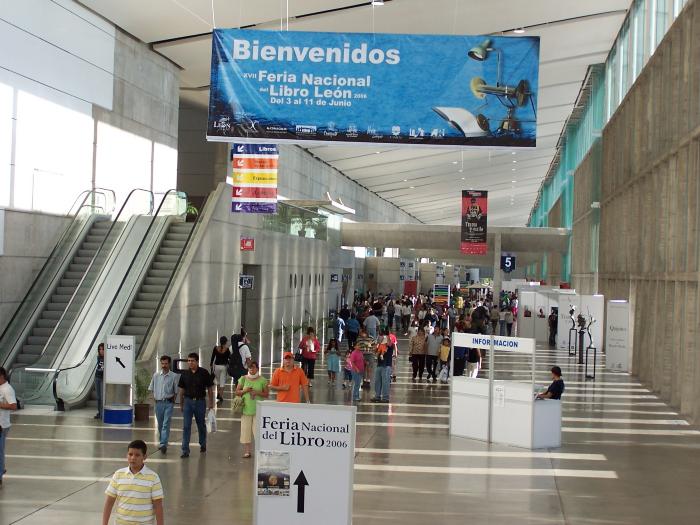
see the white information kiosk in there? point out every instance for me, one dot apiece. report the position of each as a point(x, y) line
point(304, 464)
point(497, 411)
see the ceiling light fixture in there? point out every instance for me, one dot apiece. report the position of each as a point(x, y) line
point(512, 169)
point(514, 181)
point(377, 2)
point(513, 152)
point(460, 171)
point(455, 162)
point(462, 178)
point(515, 162)
point(405, 180)
point(519, 31)
point(412, 187)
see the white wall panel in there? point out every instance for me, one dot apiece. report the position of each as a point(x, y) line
point(59, 49)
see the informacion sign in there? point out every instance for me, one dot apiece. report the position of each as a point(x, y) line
point(474, 223)
point(246, 282)
point(617, 336)
point(507, 263)
point(247, 244)
point(254, 174)
point(119, 359)
point(297, 86)
point(517, 345)
point(304, 464)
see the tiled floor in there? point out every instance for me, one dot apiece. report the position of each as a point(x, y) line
point(627, 458)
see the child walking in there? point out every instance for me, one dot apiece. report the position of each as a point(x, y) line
point(332, 360)
point(347, 371)
point(135, 489)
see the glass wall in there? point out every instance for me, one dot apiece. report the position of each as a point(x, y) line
point(55, 158)
point(643, 29)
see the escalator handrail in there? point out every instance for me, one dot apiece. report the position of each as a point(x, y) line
point(85, 273)
point(87, 193)
point(147, 335)
point(58, 369)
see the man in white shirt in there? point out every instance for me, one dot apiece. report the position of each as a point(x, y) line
point(8, 403)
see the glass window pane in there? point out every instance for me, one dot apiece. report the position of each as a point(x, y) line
point(6, 102)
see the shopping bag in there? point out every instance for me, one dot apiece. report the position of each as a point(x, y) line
point(211, 422)
point(442, 377)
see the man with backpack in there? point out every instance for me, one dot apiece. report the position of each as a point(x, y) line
point(240, 356)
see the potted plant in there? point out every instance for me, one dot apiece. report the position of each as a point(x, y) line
point(141, 407)
point(191, 212)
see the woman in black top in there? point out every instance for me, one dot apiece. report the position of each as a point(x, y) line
point(219, 359)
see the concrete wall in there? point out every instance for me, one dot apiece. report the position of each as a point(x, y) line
point(27, 239)
point(427, 277)
point(292, 280)
point(650, 215)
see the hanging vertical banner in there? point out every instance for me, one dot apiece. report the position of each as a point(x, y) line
point(254, 178)
point(441, 294)
point(429, 90)
point(474, 209)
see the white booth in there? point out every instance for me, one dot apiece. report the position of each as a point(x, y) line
point(500, 411)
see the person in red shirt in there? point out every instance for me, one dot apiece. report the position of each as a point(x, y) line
point(288, 380)
point(357, 360)
point(310, 347)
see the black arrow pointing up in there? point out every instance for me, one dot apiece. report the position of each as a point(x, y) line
point(301, 488)
point(120, 362)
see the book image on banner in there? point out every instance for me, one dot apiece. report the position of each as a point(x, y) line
point(474, 222)
point(430, 90)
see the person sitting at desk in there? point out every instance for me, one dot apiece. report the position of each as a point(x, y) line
point(556, 389)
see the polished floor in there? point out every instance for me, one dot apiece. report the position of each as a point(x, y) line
point(626, 458)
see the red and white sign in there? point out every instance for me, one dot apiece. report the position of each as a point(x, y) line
point(247, 244)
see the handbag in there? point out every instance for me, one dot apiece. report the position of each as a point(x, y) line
point(211, 422)
point(298, 357)
point(237, 405)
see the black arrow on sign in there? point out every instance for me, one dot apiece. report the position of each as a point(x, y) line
point(120, 362)
point(301, 488)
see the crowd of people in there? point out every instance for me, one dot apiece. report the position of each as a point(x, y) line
point(361, 355)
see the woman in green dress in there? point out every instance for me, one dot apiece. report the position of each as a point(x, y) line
point(251, 387)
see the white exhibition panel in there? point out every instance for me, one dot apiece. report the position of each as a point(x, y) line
point(515, 345)
point(617, 347)
point(518, 419)
point(546, 431)
point(316, 440)
point(119, 359)
point(526, 303)
point(512, 416)
point(469, 407)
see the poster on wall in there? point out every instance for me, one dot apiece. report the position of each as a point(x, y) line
point(254, 174)
point(474, 212)
point(433, 90)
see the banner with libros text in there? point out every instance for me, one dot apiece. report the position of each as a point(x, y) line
point(293, 86)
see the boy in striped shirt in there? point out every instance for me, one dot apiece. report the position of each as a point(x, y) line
point(136, 490)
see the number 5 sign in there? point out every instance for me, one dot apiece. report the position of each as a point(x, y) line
point(507, 263)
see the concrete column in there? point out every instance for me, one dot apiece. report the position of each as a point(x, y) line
point(497, 267)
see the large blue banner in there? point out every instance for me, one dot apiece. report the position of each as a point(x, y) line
point(290, 86)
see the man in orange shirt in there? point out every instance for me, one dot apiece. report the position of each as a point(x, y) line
point(288, 380)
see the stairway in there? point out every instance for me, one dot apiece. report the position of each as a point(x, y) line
point(153, 287)
point(57, 304)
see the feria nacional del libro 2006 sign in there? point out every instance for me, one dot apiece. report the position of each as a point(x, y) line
point(304, 464)
point(295, 86)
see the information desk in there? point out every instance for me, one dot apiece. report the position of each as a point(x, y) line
point(518, 419)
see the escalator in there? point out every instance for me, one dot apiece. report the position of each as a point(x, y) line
point(120, 293)
point(27, 332)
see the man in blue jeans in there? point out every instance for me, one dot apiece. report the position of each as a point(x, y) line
point(196, 384)
point(164, 388)
point(382, 372)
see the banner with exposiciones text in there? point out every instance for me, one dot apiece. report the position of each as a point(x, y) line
point(474, 223)
point(295, 86)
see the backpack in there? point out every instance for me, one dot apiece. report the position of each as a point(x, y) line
point(235, 366)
